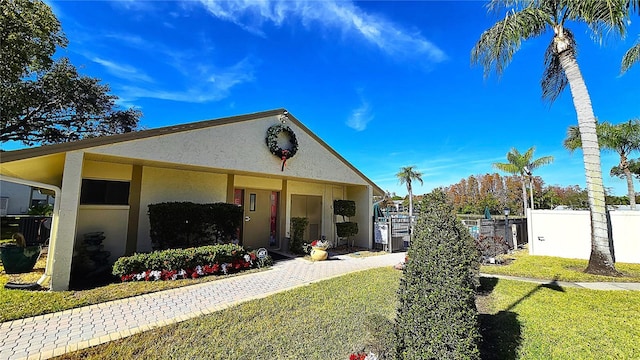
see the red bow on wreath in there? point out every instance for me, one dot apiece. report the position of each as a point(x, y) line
point(285, 156)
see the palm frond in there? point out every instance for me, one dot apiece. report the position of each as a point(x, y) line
point(545, 160)
point(573, 140)
point(554, 80)
point(602, 16)
point(497, 45)
point(632, 56)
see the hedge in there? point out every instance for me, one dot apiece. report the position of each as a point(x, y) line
point(186, 224)
point(222, 258)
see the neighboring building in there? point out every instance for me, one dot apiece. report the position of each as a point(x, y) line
point(16, 199)
point(105, 184)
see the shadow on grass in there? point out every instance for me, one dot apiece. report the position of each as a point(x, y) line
point(501, 332)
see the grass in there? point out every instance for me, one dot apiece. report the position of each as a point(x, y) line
point(323, 321)
point(18, 304)
point(562, 323)
point(547, 267)
point(319, 321)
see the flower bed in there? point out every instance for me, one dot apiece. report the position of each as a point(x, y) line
point(186, 263)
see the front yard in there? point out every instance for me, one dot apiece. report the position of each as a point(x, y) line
point(323, 321)
point(334, 318)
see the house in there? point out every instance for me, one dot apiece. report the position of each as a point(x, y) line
point(16, 199)
point(106, 184)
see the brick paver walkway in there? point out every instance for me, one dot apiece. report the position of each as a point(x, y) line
point(45, 336)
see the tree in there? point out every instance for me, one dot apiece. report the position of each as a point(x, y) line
point(634, 167)
point(529, 19)
point(622, 138)
point(632, 55)
point(407, 175)
point(43, 100)
point(437, 316)
point(521, 165)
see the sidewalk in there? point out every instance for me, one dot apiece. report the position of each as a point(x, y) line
point(45, 336)
point(584, 285)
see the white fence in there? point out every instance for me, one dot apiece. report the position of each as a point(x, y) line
point(567, 233)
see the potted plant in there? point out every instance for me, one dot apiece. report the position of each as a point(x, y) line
point(319, 250)
point(17, 257)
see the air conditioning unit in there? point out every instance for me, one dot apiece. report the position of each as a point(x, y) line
point(4, 205)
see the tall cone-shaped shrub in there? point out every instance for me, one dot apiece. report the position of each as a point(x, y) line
point(437, 317)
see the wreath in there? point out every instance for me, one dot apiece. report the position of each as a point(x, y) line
point(272, 142)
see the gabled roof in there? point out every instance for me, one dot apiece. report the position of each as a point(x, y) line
point(16, 155)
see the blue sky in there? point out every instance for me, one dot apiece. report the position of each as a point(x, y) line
point(386, 84)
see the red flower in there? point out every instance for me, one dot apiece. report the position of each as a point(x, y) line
point(194, 275)
point(314, 242)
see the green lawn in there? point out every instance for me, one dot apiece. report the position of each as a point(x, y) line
point(333, 318)
point(323, 321)
point(548, 267)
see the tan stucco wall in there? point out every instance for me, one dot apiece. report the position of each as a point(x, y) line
point(364, 210)
point(112, 220)
point(167, 185)
point(260, 183)
point(239, 147)
point(106, 171)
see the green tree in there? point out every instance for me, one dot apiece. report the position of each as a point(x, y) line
point(622, 138)
point(407, 175)
point(522, 165)
point(437, 316)
point(43, 100)
point(634, 167)
point(527, 19)
point(632, 55)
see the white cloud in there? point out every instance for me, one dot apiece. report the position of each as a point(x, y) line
point(343, 15)
point(218, 85)
point(360, 117)
point(123, 71)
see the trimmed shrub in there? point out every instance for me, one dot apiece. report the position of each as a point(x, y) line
point(437, 316)
point(176, 259)
point(185, 224)
point(298, 225)
point(344, 207)
point(346, 229)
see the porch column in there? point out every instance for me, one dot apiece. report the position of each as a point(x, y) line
point(134, 210)
point(231, 182)
point(62, 247)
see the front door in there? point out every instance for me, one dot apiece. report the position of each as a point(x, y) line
point(257, 218)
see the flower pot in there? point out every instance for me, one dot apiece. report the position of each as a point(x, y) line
point(319, 254)
point(17, 260)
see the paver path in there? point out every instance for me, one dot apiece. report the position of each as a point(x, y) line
point(45, 336)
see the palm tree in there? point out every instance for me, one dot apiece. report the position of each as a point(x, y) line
point(622, 138)
point(406, 175)
point(526, 19)
point(521, 165)
point(632, 55)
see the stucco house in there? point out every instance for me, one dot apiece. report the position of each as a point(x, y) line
point(106, 184)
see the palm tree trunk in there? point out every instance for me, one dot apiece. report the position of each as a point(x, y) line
point(601, 259)
point(630, 191)
point(531, 191)
point(524, 195)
